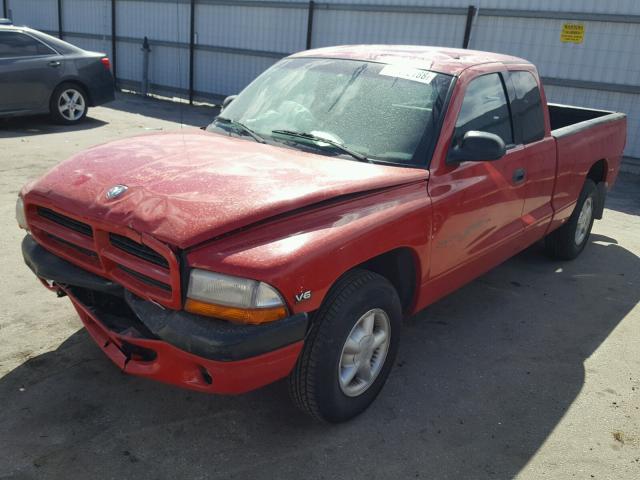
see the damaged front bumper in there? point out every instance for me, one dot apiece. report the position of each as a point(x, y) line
point(171, 346)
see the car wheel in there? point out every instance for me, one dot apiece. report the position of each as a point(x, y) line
point(350, 348)
point(69, 104)
point(568, 241)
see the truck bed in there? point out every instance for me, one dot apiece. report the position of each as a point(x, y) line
point(567, 119)
point(583, 137)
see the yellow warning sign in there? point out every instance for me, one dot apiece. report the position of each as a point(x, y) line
point(572, 32)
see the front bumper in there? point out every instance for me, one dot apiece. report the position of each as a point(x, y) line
point(172, 346)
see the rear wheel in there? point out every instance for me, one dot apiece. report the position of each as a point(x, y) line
point(69, 104)
point(350, 350)
point(568, 241)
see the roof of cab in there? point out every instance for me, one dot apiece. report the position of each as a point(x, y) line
point(440, 59)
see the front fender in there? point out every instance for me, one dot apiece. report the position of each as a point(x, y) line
point(310, 250)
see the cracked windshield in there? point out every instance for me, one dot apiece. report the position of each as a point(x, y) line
point(370, 111)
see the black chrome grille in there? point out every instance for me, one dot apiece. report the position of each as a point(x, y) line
point(138, 250)
point(64, 221)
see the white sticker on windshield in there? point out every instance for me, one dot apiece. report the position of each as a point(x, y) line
point(408, 73)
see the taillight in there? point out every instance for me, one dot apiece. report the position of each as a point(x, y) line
point(106, 62)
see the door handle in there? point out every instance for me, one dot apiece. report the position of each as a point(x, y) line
point(55, 63)
point(519, 175)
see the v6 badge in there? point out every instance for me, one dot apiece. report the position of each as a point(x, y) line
point(301, 297)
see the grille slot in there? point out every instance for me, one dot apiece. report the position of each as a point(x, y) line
point(138, 250)
point(143, 278)
point(66, 222)
point(80, 249)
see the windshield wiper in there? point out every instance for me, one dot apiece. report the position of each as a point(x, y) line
point(315, 138)
point(241, 126)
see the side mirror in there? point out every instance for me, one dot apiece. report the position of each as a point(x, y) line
point(478, 147)
point(227, 101)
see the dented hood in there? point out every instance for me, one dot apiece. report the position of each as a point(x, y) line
point(190, 186)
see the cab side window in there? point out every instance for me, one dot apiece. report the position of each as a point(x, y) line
point(527, 107)
point(16, 44)
point(485, 108)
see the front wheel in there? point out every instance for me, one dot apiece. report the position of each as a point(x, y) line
point(69, 104)
point(350, 349)
point(568, 241)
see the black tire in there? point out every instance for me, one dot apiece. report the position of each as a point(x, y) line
point(314, 384)
point(56, 99)
point(561, 243)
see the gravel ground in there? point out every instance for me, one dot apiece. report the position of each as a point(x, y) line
point(532, 371)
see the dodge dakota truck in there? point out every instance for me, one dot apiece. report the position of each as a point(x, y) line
point(344, 189)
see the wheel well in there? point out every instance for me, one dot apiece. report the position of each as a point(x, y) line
point(598, 171)
point(77, 83)
point(398, 266)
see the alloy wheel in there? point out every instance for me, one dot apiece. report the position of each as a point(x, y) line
point(364, 352)
point(71, 105)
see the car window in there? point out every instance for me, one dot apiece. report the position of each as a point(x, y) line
point(56, 44)
point(484, 108)
point(16, 44)
point(527, 106)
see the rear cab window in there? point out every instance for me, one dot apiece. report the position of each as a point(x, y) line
point(18, 45)
point(526, 107)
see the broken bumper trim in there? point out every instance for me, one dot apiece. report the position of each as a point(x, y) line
point(216, 339)
point(171, 365)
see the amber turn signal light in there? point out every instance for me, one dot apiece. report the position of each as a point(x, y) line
point(253, 316)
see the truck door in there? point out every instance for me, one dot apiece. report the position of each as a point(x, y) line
point(530, 132)
point(477, 206)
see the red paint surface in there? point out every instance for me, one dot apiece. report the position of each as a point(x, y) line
point(292, 226)
point(188, 187)
point(439, 59)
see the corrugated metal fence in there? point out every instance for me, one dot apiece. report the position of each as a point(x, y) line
point(207, 49)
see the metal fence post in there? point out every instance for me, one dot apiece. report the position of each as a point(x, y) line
point(310, 23)
point(146, 50)
point(5, 13)
point(114, 45)
point(60, 19)
point(192, 44)
point(471, 13)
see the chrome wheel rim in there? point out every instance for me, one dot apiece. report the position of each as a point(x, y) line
point(364, 352)
point(71, 104)
point(584, 220)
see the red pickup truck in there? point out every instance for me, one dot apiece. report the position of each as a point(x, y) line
point(343, 189)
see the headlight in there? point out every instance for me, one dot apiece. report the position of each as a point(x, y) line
point(231, 298)
point(21, 218)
